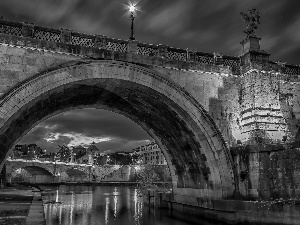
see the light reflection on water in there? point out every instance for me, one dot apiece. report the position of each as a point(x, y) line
point(107, 205)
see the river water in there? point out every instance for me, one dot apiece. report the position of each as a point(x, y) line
point(107, 205)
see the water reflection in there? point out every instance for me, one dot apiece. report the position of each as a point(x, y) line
point(106, 209)
point(138, 207)
point(77, 205)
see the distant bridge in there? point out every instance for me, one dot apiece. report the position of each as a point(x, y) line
point(48, 172)
point(35, 171)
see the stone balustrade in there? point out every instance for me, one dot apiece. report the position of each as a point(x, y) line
point(67, 36)
point(30, 30)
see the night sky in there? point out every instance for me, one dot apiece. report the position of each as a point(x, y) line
point(205, 25)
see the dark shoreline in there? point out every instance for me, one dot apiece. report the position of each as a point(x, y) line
point(115, 183)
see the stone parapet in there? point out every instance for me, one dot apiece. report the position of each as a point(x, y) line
point(162, 51)
point(79, 41)
point(96, 53)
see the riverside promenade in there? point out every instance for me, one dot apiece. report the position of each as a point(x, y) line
point(21, 205)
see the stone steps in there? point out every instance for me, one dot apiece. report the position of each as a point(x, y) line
point(36, 214)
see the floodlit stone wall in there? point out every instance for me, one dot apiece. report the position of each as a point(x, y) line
point(19, 64)
point(290, 107)
point(269, 172)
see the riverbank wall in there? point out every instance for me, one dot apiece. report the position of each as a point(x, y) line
point(15, 172)
point(21, 205)
point(267, 189)
point(228, 211)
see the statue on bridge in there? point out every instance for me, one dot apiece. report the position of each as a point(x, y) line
point(251, 19)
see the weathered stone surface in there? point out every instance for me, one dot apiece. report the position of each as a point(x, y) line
point(194, 108)
point(269, 172)
point(162, 106)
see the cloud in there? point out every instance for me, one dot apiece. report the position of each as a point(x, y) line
point(109, 130)
point(75, 139)
point(119, 144)
point(50, 11)
point(171, 19)
point(96, 123)
point(293, 31)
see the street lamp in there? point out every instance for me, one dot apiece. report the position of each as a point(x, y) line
point(132, 17)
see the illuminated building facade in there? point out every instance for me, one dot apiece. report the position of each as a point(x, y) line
point(150, 154)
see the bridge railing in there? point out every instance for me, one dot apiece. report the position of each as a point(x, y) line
point(291, 70)
point(46, 162)
point(47, 34)
point(103, 42)
point(9, 27)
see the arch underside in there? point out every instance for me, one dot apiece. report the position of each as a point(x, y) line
point(75, 173)
point(36, 170)
point(193, 165)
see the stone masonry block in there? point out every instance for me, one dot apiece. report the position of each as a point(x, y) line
point(205, 203)
point(16, 51)
point(177, 207)
point(293, 210)
point(167, 197)
point(3, 49)
point(6, 82)
point(263, 206)
point(7, 110)
point(14, 67)
point(4, 59)
point(188, 200)
point(192, 210)
point(14, 101)
point(31, 69)
point(17, 59)
point(226, 205)
point(31, 60)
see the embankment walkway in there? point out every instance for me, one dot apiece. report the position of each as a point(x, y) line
point(21, 205)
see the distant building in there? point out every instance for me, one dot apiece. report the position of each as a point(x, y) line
point(83, 159)
point(118, 158)
point(101, 160)
point(35, 150)
point(93, 150)
point(17, 152)
point(19, 147)
point(27, 151)
point(22, 149)
point(90, 156)
point(150, 154)
point(47, 157)
point(79, 151)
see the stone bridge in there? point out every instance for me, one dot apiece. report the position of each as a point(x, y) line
point(197, 106)
point(40, 172)
point(48, 172)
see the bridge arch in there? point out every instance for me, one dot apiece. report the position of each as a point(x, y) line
point(30, 174)
point(197, 155)
point(35, 170)
point(76, 172)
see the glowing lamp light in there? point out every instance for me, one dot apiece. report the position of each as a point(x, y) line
point(137, 168)
point(132, 8)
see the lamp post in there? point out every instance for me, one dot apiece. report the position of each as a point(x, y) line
point(54, 173)
point(132, 17)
